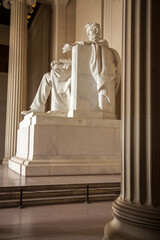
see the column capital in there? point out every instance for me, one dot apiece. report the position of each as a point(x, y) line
point(7, 3)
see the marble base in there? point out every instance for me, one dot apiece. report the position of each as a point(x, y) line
point(92, 114)
point(65, 167)
point(49, 145)
point(128, 223)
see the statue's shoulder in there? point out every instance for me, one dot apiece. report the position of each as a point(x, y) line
point(103, 42)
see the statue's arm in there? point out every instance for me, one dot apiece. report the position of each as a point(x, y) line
point(68, 46)
point(82, 43)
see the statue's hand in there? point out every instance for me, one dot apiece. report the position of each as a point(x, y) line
point(80, 42)
point(67, 47)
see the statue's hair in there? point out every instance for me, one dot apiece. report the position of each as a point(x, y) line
point(61, 61)
point(65, 61)
point(92, 25)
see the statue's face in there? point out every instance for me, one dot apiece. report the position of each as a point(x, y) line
point(93, 34)
point(58, 66)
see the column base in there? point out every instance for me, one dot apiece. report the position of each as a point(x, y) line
point(133, 222)
point(5, 160)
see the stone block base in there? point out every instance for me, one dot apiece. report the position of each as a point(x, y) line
point(64, 167)
point(51, 146)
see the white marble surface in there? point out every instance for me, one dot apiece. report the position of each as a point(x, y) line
point(65, 146)
point(91, 141)
point(10, 178)
point(51, 119)
point(84, 94)
point(53, 141)
point(69, 137)
point(23, 137)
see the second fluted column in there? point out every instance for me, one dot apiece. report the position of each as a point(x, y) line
point(137, 210)
point(17, 72)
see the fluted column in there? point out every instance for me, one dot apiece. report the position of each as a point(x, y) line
point(137, 210)
point(17, 72)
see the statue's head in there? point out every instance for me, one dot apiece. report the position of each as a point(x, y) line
point(93, 32)
point(66, 63)
point(61, 64)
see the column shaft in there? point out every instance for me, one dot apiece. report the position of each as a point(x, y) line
point(17, 74)
point(141, 115)
point(137, 210)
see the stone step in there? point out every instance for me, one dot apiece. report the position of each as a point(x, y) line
point(8, 204)
point(57, 194)
point(44, 194)
point(59, 186)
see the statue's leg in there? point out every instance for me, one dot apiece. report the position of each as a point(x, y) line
point(42, 94)
point(60, 100)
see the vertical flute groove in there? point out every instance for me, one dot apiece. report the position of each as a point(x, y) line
point(123, 100)
point(148, 105)
point(127, 100)
point(136, 107)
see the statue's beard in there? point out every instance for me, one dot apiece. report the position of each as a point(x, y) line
point(94, 38)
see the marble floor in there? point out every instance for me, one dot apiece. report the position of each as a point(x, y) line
point(56, 222)
point(10, 178)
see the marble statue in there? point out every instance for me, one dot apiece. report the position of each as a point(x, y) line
point(83, 92)
point(105, 65)
point(104, 68)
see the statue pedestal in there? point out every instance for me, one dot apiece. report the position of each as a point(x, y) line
point(49, 145)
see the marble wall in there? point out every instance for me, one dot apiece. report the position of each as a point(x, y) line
point(63, 24)
point(112, 31)
point(112, 23)
point(87, 11)
point(108, 13)
point(70, 24)
point(38, 50)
